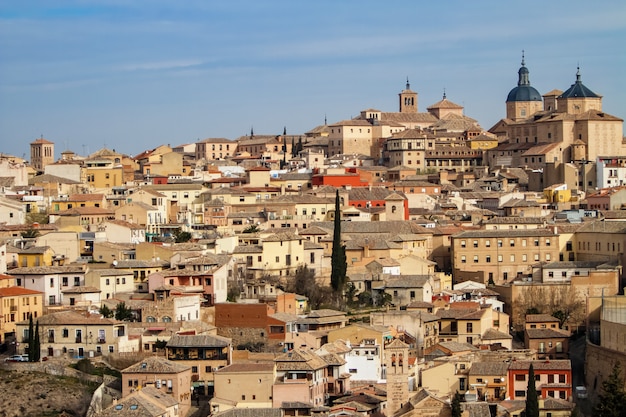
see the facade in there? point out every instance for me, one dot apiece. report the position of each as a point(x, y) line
point(50, 280)
point(17, 304)
point(166, 376)
point(499, 256)
point(553, 378)
point(243, 385)
point(205, 354)
point(77, 335)
point(300, 376)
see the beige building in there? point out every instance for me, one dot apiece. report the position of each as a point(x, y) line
point(77, 334)
point(215, 148)
point(243, 385)
point(205, 354)
point(167, 376)
point(499, 256)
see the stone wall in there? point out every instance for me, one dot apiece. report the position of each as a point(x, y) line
point(599, 364)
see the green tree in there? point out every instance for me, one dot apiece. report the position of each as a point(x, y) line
point(31, 339)
point(36, 344)
point(181, 237)
point(106, 312)
point(338, 255)
point(122, 312)
point(253, 228)
point(30, 233)
point(612, 400)
point(456, 405)
point(532, 401)
point(160, 344)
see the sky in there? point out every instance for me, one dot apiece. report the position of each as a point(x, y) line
point(131, 75)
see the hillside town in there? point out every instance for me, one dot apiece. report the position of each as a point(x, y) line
point(400, 263)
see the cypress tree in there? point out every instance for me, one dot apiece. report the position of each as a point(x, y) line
point(36, 344)
point(338, 256)
point(456, 405)
point(31, 339)
point(532, 401)
point(612, 400)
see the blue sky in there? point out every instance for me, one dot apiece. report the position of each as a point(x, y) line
point(134, 74)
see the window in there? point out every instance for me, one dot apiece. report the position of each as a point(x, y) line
point(194, 369)
point(462, 259)
point(499, 258)
point(462, 243)
point(512, 243)
point(524, 258)
point(469, 327)
point(488, 243)
point(475, 243)
point(512, 258)
point(520, 377)
point(499, 243)
point(488, 258)
point(64, 281)
point(475, 259)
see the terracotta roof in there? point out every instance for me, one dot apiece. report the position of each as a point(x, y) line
point(198, 341)
point(17, 291)
point(559, 364)
point(247, 367)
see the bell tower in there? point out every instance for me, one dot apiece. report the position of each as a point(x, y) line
point(397, 364)
point(408, 99)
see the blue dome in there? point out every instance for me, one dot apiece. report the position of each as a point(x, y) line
point(524, 91)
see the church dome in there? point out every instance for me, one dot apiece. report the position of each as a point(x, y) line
point(578, 89)
point(524, 91)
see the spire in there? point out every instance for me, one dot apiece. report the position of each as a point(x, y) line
point(444, 93)
point(325, 121)
point(523, 73)
point(408, 86)
point(251, 131)
point(578, 80)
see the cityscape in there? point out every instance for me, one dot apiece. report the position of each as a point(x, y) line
point(471, 253)
point(309, 249)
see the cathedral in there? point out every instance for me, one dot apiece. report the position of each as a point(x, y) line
point(557, 137)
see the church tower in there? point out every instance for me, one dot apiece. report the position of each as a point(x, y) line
point(397, 364)
point(524, 100)
point(408, 99)
point(41, 153)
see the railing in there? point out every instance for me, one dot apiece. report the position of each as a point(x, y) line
point(101, 341)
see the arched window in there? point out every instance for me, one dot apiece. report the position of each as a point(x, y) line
point(166, 319)
point(151, 319)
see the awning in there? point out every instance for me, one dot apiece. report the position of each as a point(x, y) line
point(156, 329)
point(197, 384)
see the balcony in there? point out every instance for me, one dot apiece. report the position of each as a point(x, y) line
point(100, 341)
point(79, 340)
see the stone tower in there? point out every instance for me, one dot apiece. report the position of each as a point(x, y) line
point(41, 153)
point(524, 100)
point(394, 207)
point(408, 99)
point(397, 364)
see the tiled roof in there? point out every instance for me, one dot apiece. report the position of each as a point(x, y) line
point(546, 334)
point(248, 367)
point(72, 317)
point(299, 360)
point(155, 365)
point(17, 291)
point(493, 334)
point(558, 364)
point(198, 341)
point(540, 318)
point(489, 368)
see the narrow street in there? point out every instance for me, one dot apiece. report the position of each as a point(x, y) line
point(577, 356)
